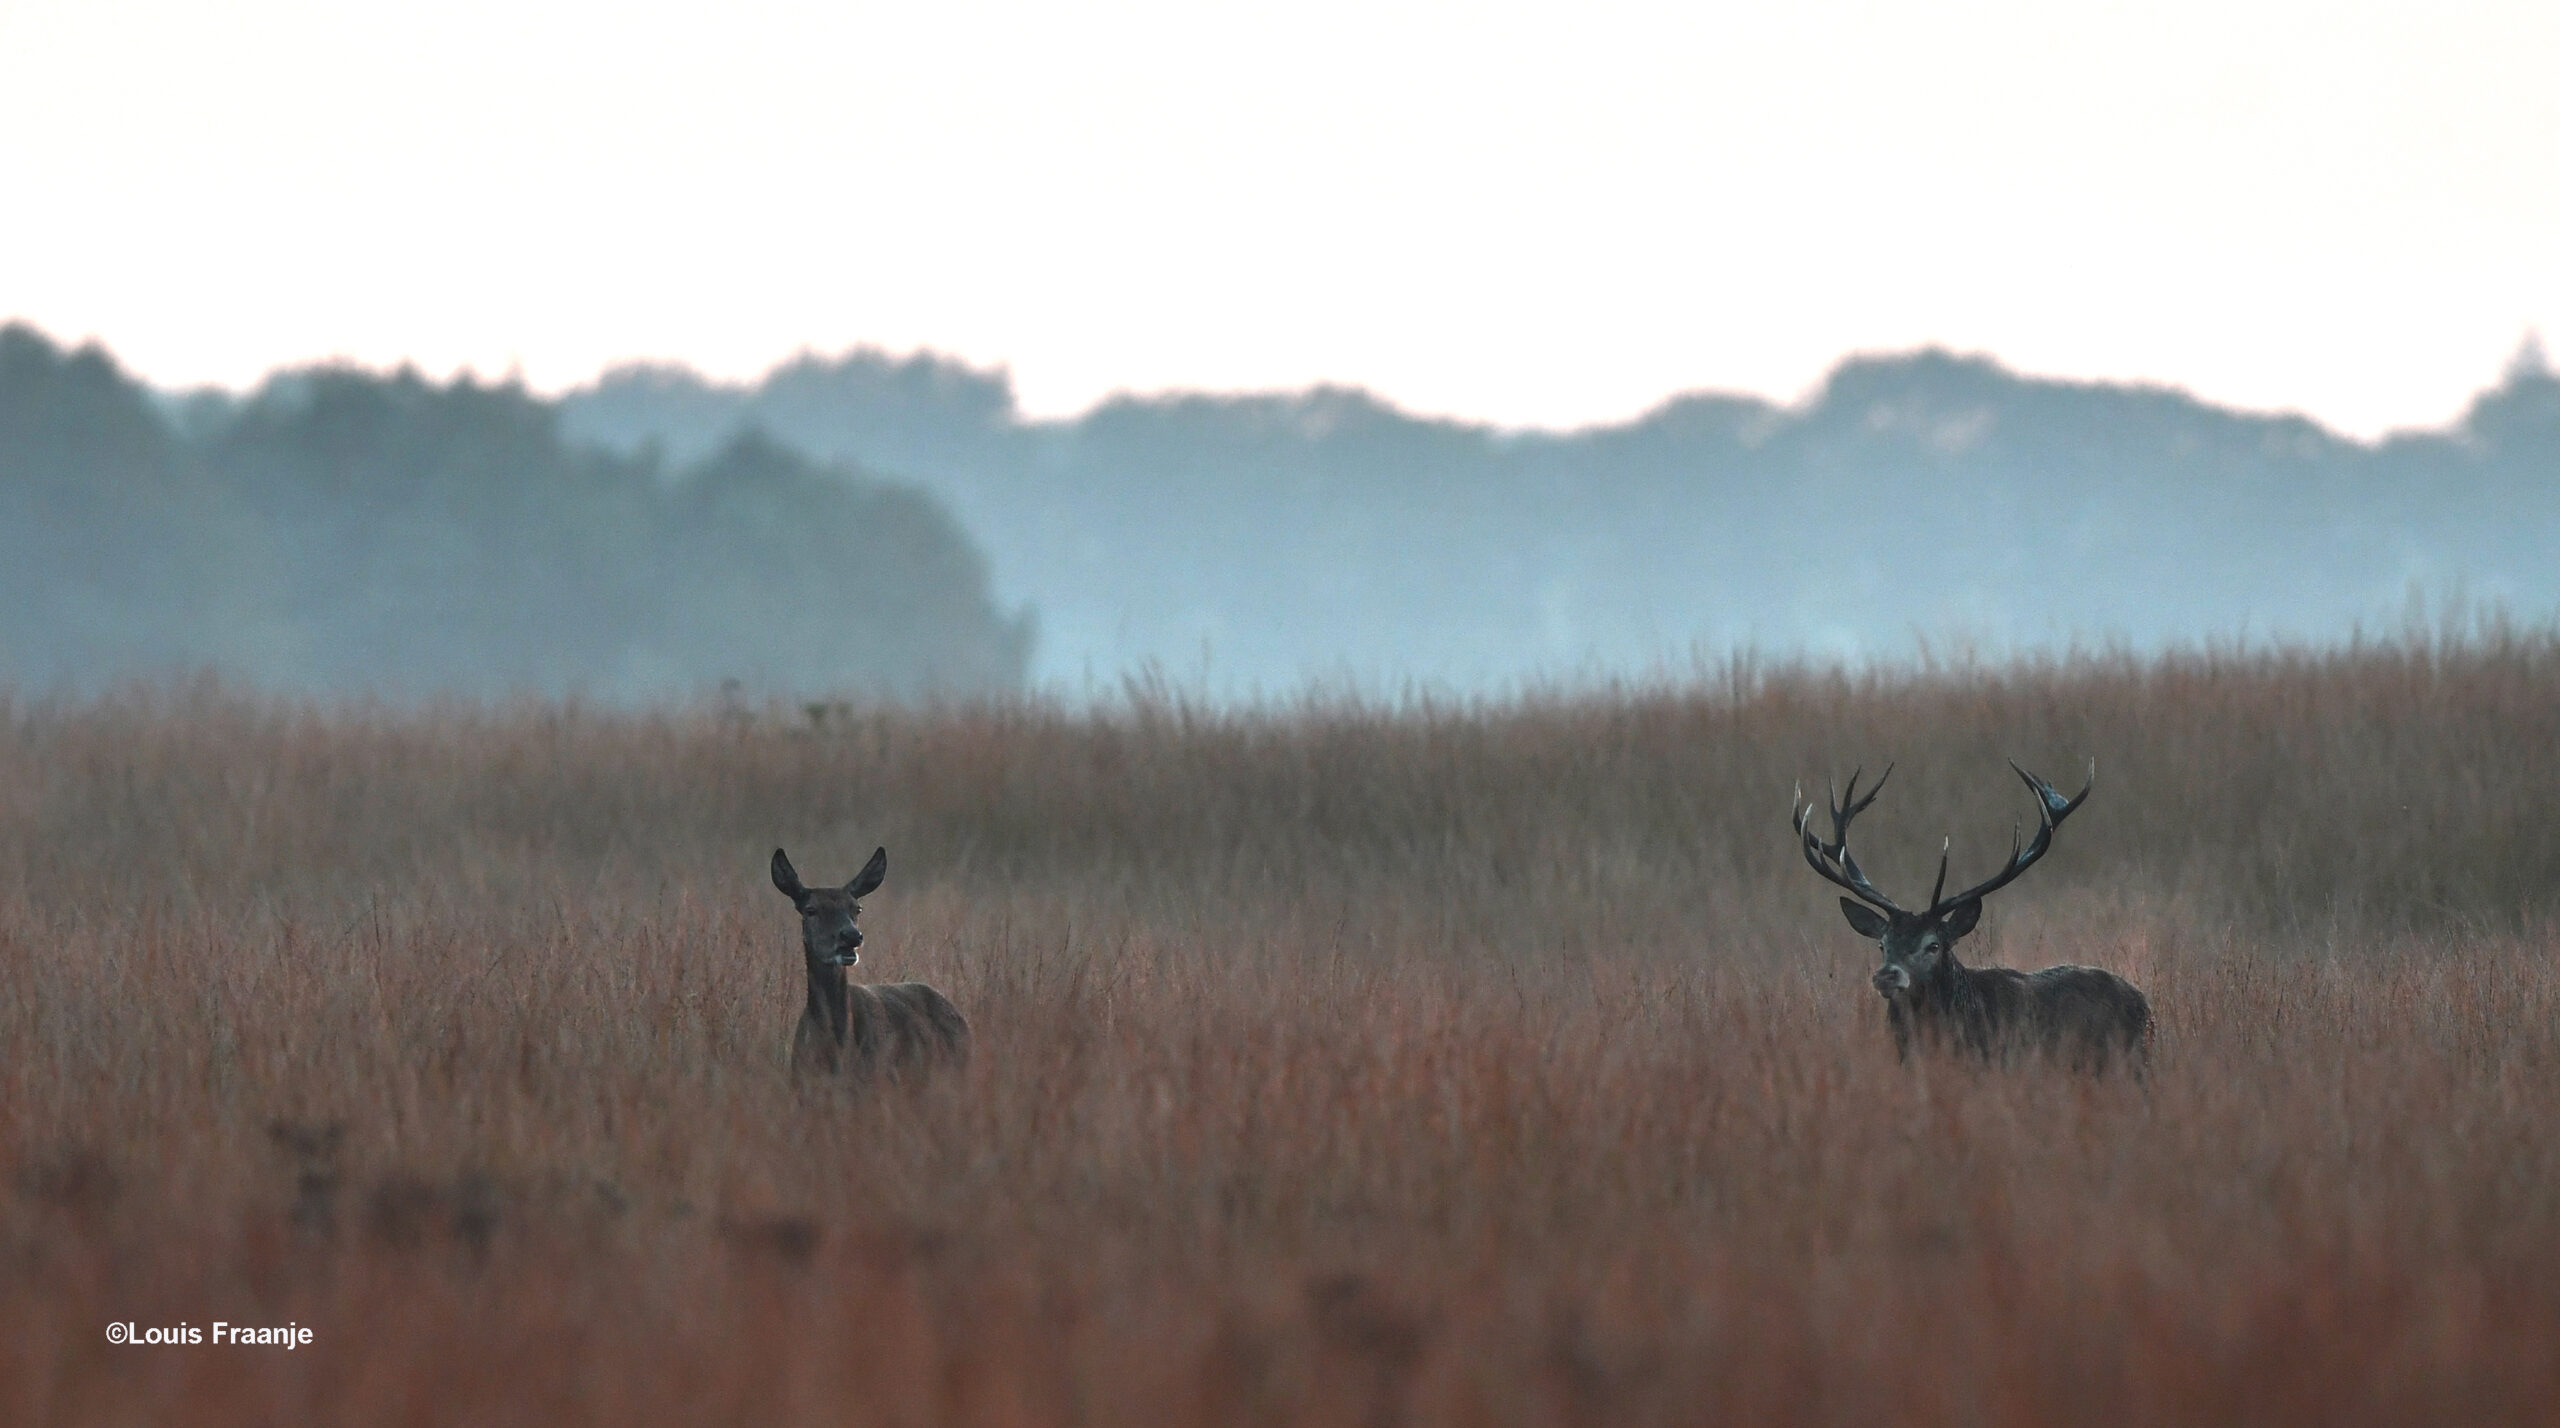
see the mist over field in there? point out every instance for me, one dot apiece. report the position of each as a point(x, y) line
point(1252, 542)
point(1336, 1059)
point(1148, 716)
point(343, 532)
point(895, 527)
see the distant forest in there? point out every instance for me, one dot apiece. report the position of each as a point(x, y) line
point(1251, 542)
point(341, 530)
point(657, 533)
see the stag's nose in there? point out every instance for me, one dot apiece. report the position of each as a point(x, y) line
point(1890, 980)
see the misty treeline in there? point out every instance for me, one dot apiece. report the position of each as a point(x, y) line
point(1326, 533)
point(344, 530)
point(658, 532)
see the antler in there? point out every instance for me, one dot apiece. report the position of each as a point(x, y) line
point(2051, 809)
point(1833, 859)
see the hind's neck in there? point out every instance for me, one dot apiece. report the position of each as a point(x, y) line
point(826, 997)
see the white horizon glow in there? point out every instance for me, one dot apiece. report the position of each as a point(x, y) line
point(1526, 215)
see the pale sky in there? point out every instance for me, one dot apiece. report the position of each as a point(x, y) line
point(1535, 215)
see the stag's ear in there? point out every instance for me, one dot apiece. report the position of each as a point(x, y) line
point(1961, 918)
point(787, 878)
point(871, 874)
point(1870, 923)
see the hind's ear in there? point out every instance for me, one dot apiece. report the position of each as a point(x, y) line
point(786, 878)
point(871, 874)
point(1961, 918)
point(1870, 923)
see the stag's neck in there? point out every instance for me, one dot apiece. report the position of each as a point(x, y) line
point(826, 998)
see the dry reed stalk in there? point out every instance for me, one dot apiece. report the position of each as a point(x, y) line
point(1338, 1065)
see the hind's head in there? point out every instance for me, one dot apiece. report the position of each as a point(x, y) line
point(827, 915)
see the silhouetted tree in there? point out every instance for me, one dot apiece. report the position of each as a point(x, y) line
point(812, 578)
point(117, 556)
point(343, 529)
point(1324, 530)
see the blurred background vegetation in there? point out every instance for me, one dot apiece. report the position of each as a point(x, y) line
point(347, 531)
point(1921, 500)
point(882, 526)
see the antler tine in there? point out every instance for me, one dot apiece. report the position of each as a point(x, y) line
point(1833, 860)
point(2049, 799)
point(1943, 850)
point(1840, 814)
point(2051, 809)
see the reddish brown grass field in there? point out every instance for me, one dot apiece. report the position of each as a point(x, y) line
point(1336, 1065)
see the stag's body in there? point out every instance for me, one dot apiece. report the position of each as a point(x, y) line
point(2083, 1017)
point(901, 1031)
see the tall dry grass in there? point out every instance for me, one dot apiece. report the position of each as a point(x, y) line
point(1336, 1065)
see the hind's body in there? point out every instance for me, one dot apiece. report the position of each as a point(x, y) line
point(901, 1030)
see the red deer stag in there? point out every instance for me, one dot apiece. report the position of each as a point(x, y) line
point(2081, 1016)
point(901, 1030)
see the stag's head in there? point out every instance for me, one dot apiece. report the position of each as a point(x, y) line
point(1917, 944)
point(827, 931)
